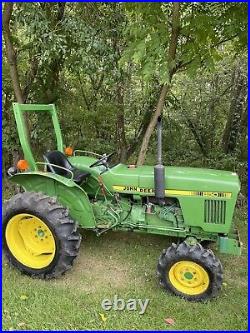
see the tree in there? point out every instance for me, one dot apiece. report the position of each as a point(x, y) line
point(164, 90)
point(106, 65)
point(10, 52)
point(193, 34)
point(236, 114)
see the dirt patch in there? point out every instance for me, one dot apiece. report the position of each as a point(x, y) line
point(94, 270)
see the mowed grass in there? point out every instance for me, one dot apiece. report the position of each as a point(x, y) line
point(122, 264)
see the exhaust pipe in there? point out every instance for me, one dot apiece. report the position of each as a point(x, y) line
point(159, 170)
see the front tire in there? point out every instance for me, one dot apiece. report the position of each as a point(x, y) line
point(39, 236)
point(190, 271)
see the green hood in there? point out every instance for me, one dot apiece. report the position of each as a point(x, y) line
point(181, 178)
point(177, 178)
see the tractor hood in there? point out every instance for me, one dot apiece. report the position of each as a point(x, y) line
point(176, 178)
point(122, 178)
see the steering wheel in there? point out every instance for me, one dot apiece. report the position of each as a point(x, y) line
point(102, 160)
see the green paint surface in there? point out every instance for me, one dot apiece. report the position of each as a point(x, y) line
point(188, 275)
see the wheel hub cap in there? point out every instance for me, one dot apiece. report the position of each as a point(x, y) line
point(30, 241)
point(189, 278)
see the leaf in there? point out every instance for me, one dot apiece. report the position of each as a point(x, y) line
point(103, 317)
point(24, 297)
point(21, 324)
point(169, 321)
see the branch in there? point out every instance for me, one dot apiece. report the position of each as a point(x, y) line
point(181, 65)
point(60, 11)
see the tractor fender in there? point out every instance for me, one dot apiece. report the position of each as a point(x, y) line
point(66, 191)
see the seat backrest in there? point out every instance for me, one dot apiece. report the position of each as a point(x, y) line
point(58, 158)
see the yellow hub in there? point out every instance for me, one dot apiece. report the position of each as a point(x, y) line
point(30, 241)
point(189, 278)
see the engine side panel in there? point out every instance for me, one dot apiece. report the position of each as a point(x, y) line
point(207, 197)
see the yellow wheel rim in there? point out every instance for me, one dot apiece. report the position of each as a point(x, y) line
point(30, 241)
point(189, 278)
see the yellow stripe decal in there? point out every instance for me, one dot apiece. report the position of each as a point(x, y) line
point(119, 188)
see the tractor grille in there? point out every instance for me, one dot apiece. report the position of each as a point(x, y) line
point(215, 211)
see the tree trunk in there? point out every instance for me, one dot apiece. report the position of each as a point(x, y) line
point(12, 62)
point(142, 129)
point(120, 127)
point(21, 95)
point(166, 87)
point(7, 156)
point(29, 78)
point(211, 117)
point(151, 126)
point(232, 128)
point(14, 75)
point(196, 134)
point(243, 149)
point(50, 92)
point(10, 52)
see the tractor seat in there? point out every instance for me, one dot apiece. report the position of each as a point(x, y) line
point(58, 158)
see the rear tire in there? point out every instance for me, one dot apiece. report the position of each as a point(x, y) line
point(39, 236)
point(190, 271)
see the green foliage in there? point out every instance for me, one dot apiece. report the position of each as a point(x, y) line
point(147, 33)
point(204, 27)
point(103, 62)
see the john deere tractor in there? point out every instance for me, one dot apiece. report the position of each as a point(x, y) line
point(71, 189)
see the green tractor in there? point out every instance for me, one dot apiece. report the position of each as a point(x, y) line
point(76, 189)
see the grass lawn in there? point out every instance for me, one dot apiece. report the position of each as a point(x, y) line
point(122, 264)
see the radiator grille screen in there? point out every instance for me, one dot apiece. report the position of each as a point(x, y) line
point(215, 211)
